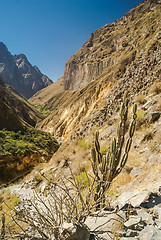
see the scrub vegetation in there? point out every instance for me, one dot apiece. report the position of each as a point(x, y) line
point(26, 142)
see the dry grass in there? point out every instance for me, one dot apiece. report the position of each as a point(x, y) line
point(123, 178)
point(84, 144)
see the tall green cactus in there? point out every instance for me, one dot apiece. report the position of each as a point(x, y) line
point(107, 167)
point(3, 227)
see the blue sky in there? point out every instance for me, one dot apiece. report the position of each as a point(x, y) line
point(49, 32)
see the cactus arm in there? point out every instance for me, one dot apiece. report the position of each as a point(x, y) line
point(94, 163)
point(97, 147)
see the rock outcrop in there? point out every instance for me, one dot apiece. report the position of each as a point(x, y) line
point(138, 221)
point(18, 72)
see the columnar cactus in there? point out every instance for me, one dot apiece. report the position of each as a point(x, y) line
point(3, 227)
point(107, 167)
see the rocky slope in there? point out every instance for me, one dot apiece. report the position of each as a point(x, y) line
point(16, 112)
point(18, 72)
point(112, 48)
point(46, 94)
point(134, 67)
point(124, 55)
point(133, 201)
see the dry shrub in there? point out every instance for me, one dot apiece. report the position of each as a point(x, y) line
point(68, 200)
point(140, 118)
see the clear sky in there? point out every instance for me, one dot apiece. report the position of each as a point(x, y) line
point(49, 32)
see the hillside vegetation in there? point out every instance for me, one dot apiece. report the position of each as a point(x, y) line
point(21, 151)
point(21, 146)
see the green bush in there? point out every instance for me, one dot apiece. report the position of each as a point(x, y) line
point(82, 180)
point(84, 144)
point(24, 142)
point(45, 111)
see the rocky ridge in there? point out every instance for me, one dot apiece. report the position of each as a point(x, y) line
point(18, 72)
point(114, 46)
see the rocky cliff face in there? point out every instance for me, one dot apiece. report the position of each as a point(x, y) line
point(124, 55)
point(20, 74)
point(16, 112)
point(115, 45)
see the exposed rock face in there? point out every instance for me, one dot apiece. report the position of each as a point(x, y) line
point(16, 112)
point(115, 45)
point(122, 56)
point(20, 74)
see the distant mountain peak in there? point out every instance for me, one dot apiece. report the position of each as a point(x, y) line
point(3, 46)
point(37, 69)
point(18, 72)
point(21, 56)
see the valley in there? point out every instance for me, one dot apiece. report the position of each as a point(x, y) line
point(46, 141)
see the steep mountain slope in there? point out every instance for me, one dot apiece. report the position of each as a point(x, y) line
point(21, 146)
point(113, 47)
point(124, 55)
point(20, 74)
point(47, 93)
point(16, 112)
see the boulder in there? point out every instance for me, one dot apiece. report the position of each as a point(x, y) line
point(135, 172)
point(146, 217)
point(105, 225)
point(139, 198)
point(132, 222)
point(134, 198)
point(153, 116)
point(75, 231)
point(150, 233)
